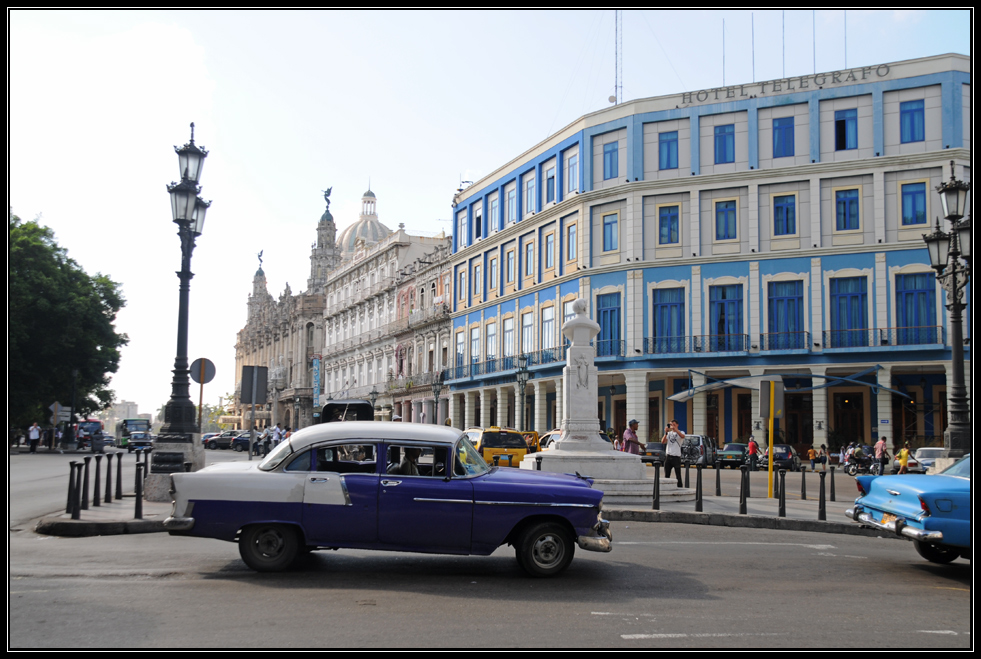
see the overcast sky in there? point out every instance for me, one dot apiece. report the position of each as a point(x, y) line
point(289, 103)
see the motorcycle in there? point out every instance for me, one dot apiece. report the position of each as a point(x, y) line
point(862, 465)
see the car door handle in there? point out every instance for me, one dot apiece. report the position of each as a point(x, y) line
point(391, 483)
point(319, 480)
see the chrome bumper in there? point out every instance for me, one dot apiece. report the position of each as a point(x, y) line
point(600, 538)
point(899, 527)
point(179, 523)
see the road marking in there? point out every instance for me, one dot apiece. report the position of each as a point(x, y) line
point(937, 631)
point(630, 637)
point(613, 613)
point(963, 590)
point(764, 544)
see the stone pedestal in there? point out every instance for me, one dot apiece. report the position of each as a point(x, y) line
point(621, 476)
point(156, 486)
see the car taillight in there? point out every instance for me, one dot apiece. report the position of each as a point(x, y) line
point(924, 507)
point(861, 490)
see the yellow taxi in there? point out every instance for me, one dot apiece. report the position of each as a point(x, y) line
point(504, 447)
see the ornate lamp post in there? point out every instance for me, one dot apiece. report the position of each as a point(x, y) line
point(373, 396)
point(522, 377)
point(948, 251)
point(437, 387)
point(188, 213)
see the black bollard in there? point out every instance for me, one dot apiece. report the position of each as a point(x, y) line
point(85, 484)
point(119, 477)
point(743, 482)
point(687, 464)
point(109, 477)
point(803, 485)
point(138, 513)
point(821, 513)
point(657, 485)
point(782, 505)
point(718, 480)
point(832, 483)
point(746, 475)
point(698, 488)
point(77, 497)
point(97, 485)
point(71, 488)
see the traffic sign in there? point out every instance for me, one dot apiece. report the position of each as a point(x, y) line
point(202, 371)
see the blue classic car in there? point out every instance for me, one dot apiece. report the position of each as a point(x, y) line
point(390, 486)
point(934, 511)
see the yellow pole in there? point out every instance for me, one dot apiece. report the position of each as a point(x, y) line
point(769, 492)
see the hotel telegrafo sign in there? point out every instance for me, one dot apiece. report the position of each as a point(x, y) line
point(818, 81)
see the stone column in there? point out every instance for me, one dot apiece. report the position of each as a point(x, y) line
point(559, 412)
point(502, 406)
point(637, 402)
point(819, 407)
point(470, 404)
point(485, 406)
point(452, 410)
point(698, 407)
point(541, 417)
point(883, 401)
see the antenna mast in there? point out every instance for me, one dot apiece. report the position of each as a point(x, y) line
point(618, 83)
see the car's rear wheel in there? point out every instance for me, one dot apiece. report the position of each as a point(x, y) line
point(268, 547)
point(212, 445)
point(545, 549)
point(935, 553)
point(238, 448)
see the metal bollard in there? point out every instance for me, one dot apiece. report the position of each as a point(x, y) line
point(77, 497)
point(97, 485)
point(718, 480)
point(746, 475)
point(85, 485)
point(782, 505)
point(109, 477)
point(71, 488)
point(657, 485)
point(687, 464)
point(821, 513)
point(119, 477)
point(698, 488)
point(138, 513)
point(832, 484)
point(803, 485)
point(743, 482)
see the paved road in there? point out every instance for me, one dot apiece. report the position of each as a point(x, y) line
point(663, 586)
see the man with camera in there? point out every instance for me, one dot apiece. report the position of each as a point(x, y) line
point(673, 437)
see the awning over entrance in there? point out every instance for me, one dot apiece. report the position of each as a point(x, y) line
point(753, 382)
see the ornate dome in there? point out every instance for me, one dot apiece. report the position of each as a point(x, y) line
point(367, 228)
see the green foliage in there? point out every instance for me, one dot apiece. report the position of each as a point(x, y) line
point(59, 319)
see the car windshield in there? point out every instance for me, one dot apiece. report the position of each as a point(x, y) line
point(468, 461)
point(282, 451)
point(734, 447)
point(929, 452)
point(961, 468)
point(502, 440)
point(781, 450)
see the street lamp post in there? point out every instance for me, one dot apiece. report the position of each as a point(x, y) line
point(373, 396)
point(950, 256)
point(522, 377)
point(437, 387)
point(188, 213)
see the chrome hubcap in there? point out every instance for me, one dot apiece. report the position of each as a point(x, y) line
point(548, 550)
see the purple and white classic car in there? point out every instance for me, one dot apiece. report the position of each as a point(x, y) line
point(389, 486)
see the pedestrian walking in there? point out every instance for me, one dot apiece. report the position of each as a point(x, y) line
point(34, 436)
point(881, 454)
point(904, 459)
point(754, 450)
point(672, 452)
point(277, 434)
point(630, 442)
point(823, 457)
point(812, 456)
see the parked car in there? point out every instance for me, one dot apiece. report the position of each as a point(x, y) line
point(240, 442)
point(785, 457)
point(549, 437)
point(206, 436)
point(934, 511)
point(223, 440)
point(733, 455)
point(922, 459)
point(699, 450)
point(653, 452)
point(345, 485)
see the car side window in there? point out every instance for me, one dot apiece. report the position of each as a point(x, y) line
point(346, 459)
point(417, 461)
point(301, 463)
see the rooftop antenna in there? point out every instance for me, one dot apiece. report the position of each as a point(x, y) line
point(814, 49)
point(723, 52)
point(618, 56)
point(845, 13)
point(752, 39)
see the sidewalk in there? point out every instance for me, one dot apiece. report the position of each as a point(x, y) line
point(116, 518)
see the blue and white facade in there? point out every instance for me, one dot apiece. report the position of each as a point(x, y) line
point(771, 227)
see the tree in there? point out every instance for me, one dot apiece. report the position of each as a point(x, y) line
point(60, 319)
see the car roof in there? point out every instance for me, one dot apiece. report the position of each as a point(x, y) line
point(374, 430)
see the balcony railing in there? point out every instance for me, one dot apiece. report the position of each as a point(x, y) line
point(912, 336)
point(609, 348)
point(785, 341)
point(721, 343)
point(850, 338)
point(667, 345)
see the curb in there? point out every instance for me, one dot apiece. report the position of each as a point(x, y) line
point(742, 521)
point(74, 528)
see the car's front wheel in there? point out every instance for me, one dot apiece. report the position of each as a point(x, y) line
point(545, 549)
point(268, 547)
point(212, 445)
point(237, 447)
point(935, 553)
